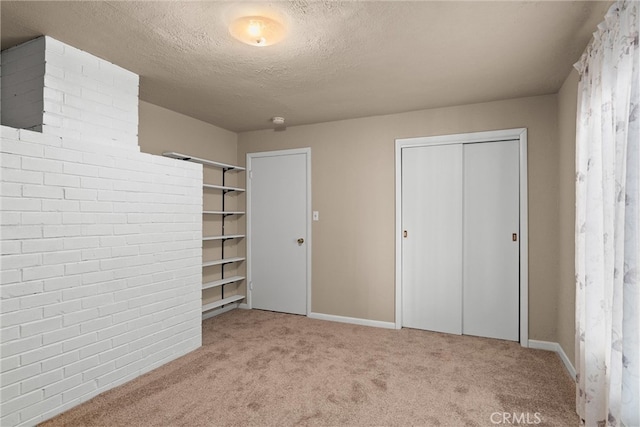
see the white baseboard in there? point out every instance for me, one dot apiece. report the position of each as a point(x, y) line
point(544, 345)
point(244, 306)
point(217, 311)
point(567, 362)
point(554, 346)
point(352, 320)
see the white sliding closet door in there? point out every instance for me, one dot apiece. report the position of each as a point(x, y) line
point(461, 250)
point(491, 255)
point(432, 249)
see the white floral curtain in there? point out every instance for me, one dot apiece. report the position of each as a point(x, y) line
point(608, 223)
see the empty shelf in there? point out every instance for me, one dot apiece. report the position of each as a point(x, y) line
point(222, 302)
point(222, 187)
point(227, 237)
point(223, 212)
point(221, 282)
point(222, 261)
point(189, 158)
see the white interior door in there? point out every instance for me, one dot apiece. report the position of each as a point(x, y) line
point(278, 215)
point(432, 248)
point(491, 255)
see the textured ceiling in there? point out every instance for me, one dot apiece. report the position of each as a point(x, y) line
point(340, 59)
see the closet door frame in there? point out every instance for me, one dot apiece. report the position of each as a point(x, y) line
point(519, 134)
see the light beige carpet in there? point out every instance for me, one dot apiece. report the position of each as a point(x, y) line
point(273, 369)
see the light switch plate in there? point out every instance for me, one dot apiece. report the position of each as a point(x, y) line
point(316, 216)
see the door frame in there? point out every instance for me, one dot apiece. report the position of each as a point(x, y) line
point(519, 134)
point(250, 156)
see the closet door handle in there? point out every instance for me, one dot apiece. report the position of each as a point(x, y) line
point(514, 237)
point(300, 241)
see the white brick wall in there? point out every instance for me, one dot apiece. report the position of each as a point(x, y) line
point(101, 248)
point(98, 284)
point(22, 72)
point(59, 90)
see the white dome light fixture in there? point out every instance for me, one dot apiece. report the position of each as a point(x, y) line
point(257, 31)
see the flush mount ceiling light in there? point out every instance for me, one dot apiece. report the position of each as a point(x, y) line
point(257, 30)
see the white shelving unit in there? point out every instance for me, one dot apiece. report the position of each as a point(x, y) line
point(224, 301)
point(226, 213)
point(224, 237)
point(222, 282)
point(222, 261)
point(205, 162)
point(222, 187)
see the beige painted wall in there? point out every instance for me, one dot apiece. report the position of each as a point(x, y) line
point(165, 130)
point(567, 110)
point(353, 188)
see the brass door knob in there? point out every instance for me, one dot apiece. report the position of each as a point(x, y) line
point(300, 241)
